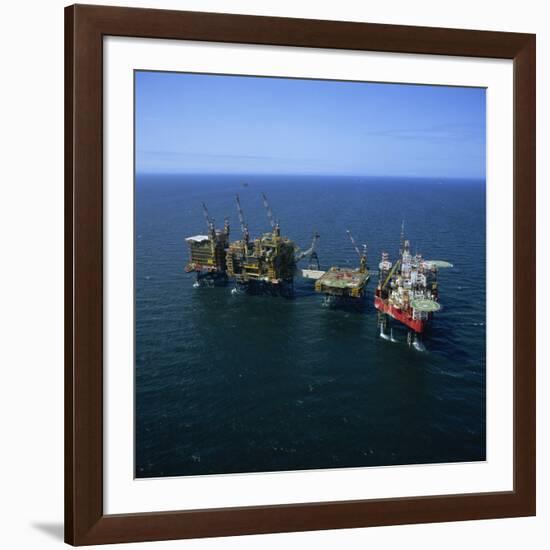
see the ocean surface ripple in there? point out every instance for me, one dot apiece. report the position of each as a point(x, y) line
point(228, 383)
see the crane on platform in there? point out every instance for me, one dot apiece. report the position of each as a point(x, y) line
point(362, 255)
point(274, 224)
point(390, 274)
point(313, 258)
point(244, 226)
point(209, 222)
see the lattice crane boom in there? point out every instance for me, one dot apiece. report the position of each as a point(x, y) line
point(244, 227)
point(354, 243)
point(209, 221)
point(300, 254)
point(270, 216)
point(362, 256)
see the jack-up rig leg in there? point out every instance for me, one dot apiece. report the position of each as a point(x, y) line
point(383, 325)
point(417, 343)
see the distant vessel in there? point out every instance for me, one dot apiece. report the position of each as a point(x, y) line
point(408, 291)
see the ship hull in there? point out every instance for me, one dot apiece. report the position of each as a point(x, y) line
point(399, 315)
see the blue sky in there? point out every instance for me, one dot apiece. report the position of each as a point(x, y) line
point(194, 123)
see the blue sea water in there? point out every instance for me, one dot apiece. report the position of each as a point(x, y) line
point(229, 383)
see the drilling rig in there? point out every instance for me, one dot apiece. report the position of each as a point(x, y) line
point(407, 292)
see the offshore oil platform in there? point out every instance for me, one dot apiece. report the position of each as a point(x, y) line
point(266, 264)
point(344, 284)
point(407, 291)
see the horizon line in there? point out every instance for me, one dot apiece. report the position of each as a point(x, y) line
point(303, 174)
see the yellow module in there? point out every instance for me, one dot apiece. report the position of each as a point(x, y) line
point(268, 260)
point(207, 255)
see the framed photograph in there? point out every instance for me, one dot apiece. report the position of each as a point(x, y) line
point(300, 274)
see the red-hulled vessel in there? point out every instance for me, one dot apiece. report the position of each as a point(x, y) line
point(407, 292)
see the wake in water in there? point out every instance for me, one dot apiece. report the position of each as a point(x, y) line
point(418, 345)
point(200, 337)
point(413, 341)
point(387, 337)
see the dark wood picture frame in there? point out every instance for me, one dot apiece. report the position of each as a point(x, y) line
point(85, 27)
